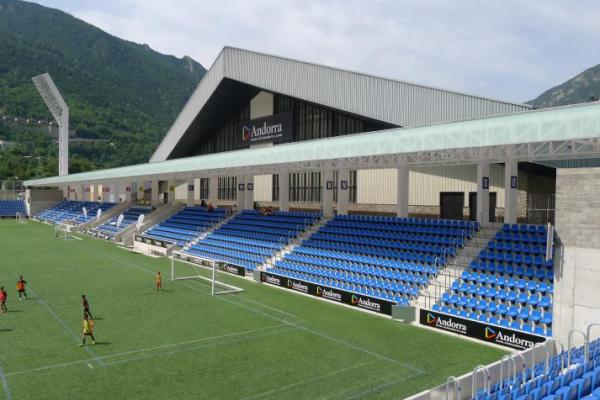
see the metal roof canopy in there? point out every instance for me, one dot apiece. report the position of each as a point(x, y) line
point(391, 101)
point(560, 133)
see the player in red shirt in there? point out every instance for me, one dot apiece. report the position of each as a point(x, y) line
point(3, 296)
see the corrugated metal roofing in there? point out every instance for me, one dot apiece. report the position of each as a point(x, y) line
point(396, 102)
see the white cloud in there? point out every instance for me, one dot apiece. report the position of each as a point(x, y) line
point(505, 49)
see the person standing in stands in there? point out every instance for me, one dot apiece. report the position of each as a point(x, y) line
point(3, 296)
point(203, 203)
point(21, 287)
point(158, 280)
point(210, 207)
point(86, 306)
point(88, 330)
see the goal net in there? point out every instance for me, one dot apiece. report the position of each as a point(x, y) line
point(64, 232)
point(186, 266)
point(19, 218)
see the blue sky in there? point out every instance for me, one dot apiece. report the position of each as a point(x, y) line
point(505, 49)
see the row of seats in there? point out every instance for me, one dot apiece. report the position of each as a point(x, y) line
point(509, 283)
point(9, 208)
point(250, 238)
point(73, 211)
point(556, 381)
point(386, 257)
point(186, 225)
point(109, 228)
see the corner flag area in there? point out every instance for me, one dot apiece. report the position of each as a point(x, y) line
point(262, 343)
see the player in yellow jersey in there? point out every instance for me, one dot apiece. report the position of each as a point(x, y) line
point(88, 330)
point(158, 280)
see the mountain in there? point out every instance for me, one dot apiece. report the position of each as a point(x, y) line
point(580, 89)
point(121, 92)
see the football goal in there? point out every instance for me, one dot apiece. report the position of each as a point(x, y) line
point(186, 266)
point(64, 232)
point(19, 218)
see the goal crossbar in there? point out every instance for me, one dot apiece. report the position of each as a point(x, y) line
point(209, 264)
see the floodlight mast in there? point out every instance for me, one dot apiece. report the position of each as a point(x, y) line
point(57, 106)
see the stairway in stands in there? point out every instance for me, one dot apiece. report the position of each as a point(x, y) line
point(453, 270)
point(295, 242)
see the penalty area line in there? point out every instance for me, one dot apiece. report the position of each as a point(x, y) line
point(113, 355)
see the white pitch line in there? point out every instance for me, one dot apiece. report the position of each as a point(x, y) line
point(5, 385)
point(232, 301)
point(204, 346)
point(112, 355)
point(64, 325)
point(304, 381)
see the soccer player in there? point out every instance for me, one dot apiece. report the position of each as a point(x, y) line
point(3, 296)
point(86, 306)
point(21, 287)
point(88, 330)
point(158, 280)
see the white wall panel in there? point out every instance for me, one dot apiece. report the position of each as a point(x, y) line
point(379, 186)
point(263, 187)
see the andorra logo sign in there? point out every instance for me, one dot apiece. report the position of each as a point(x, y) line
point(490, 334)
point(431, 319)
point(246, 133)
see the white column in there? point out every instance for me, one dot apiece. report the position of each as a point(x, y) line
point(190, 192)
point(327, 192)
point(249, 193)
point(483, 193)
point(284, 190)
point(343, 194)
point(511, 189)
point(154, 195)
point(85, 194)
point(241, 192)
point(213, 190)
point(403, 191)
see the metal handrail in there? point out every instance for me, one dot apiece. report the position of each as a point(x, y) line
point(587, 342)
point(542, 345)
point(562, 349)
point(504, 358)
point(524, 367)
point(570, 343)
point(486, 386)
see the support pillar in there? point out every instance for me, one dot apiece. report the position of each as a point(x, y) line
point(511, 189)
point(483, 193)
point(284, 190)
point(343, 193)
point(171, 190)
point(403, 191)
point(241, 192)
point(190, 192)
point(154, 195)
point(249, 195)
point(328, 193)
point(213, 190)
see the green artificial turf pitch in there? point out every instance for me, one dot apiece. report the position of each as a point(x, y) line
point(263, 343)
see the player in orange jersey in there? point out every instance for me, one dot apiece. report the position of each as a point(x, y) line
point(21, 287)
point(158, 280)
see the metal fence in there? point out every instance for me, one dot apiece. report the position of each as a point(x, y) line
point(541, 208)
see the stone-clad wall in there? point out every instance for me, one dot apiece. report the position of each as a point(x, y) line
point(577, 261)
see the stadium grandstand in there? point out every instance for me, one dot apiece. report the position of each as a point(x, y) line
point(456, 214)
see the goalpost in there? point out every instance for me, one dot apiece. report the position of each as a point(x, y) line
point(63, 231)
point(193, 268)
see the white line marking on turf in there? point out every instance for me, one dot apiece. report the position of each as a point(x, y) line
point(65, 326)
point(231, 301)
point(5, 385)
point(304, 381)
point(207, 345)
point(67, 364)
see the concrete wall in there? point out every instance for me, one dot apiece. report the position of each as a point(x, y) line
point(577, 264)
point(38, 200)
